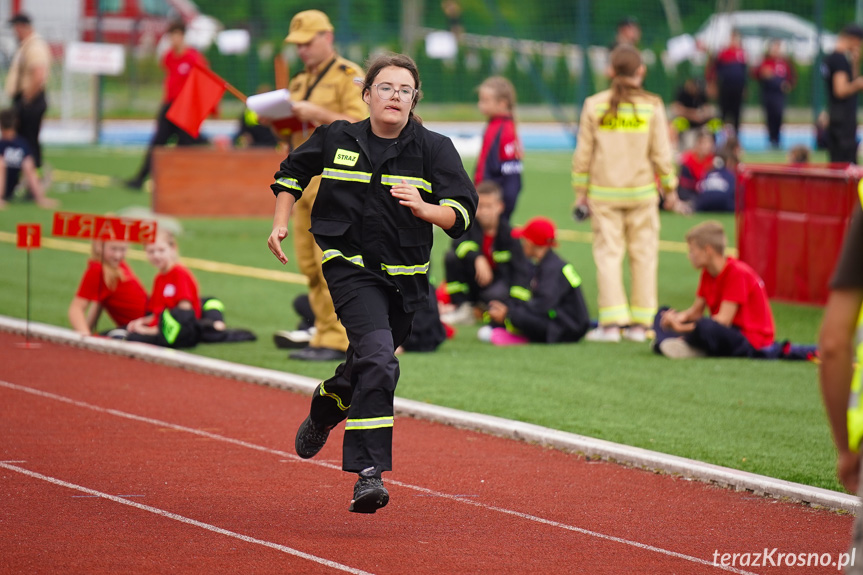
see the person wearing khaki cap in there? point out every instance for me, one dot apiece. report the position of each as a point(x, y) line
point(323, 92)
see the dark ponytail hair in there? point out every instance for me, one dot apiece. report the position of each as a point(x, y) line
point(377, 63)
point(625, 62)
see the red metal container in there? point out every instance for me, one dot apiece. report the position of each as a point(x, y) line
point(791, 220)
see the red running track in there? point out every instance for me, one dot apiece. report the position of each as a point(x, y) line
point(115, 465)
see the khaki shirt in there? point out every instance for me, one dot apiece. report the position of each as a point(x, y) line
point(32, 55)
point(619, 160)
point(336, 91)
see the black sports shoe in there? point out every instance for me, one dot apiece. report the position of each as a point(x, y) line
point(318, 354)
point(310, 438)
point(369, 495)
point(227, 335)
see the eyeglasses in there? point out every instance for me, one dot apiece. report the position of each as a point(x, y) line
point(385, 92)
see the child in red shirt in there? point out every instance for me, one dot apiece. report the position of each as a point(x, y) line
point(740, 322)
point(177, 62)
point(176, 315)
point(108, 284)
point(695, 164)
point(174, 290)
point(500, 156)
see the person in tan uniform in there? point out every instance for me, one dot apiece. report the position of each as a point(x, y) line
point(623, 147)
point(325, 91)
point(25, 83)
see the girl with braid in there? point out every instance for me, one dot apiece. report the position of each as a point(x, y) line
point(623, 149)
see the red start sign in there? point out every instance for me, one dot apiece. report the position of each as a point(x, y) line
point(92, 227)
point(29, 236)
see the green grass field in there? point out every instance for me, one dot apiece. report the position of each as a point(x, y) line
point(763, 417)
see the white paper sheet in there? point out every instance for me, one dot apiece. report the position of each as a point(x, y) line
point(275, 104)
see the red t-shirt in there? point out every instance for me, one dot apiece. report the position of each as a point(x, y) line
point(698, 167)
point(127, 301)
point(172, 287)
point(738, 283)
point(177, 68)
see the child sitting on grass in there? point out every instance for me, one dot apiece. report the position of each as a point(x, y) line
point(176, 315)
point(108, 284)
point(740, 322)
point(553, 310)
point(485, 262)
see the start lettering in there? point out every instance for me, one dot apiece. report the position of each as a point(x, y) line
point(90, 227)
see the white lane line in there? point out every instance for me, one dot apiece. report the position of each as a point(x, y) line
point(186, 520)
point(552, 523)
point(589, 447)
point(423, 490)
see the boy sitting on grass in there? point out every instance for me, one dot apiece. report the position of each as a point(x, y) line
point(485, 262)
point(740, 322)
point(553, 310)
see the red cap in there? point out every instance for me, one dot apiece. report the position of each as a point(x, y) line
point(539, 231)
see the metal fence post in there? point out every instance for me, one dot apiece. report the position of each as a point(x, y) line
point(817, 82)
point(99, 81)
point(583, 41)
point(411, 21)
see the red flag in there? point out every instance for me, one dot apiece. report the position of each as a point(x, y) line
point(197, 100)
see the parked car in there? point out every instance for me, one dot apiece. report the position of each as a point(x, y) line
point(759, 27)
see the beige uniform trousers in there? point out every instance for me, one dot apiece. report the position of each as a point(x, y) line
point(633, 229)
point(329, 331)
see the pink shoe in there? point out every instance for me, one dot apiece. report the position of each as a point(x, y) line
point(499, 336)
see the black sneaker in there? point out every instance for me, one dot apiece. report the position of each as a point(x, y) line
point(310, 439)
point(318, 354)
point(369, 495)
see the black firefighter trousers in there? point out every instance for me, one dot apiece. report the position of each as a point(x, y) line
point(363, 387)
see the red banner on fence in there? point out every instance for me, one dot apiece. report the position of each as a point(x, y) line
point(92, 227)
point(29, 236)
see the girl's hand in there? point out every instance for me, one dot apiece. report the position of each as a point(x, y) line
point(409, 196)
point(275, 243)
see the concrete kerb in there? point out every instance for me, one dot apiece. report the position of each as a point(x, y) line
point(587, 446)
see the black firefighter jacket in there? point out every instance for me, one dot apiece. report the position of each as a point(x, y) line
point(361, 228)
point(510, 263)
point(555, 300)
